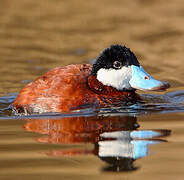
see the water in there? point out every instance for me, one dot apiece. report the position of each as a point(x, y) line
point(142, 141)
point(99, 141)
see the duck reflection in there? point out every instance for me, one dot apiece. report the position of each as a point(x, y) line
point(116, 138)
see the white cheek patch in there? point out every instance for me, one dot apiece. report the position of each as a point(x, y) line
point(117, 78)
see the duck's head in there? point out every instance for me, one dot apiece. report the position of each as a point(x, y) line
point(118, 67)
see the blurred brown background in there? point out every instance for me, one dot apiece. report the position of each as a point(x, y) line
point(38, 35)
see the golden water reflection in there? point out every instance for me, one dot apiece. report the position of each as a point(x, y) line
point(116, 139)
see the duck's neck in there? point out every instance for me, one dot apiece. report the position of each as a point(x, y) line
point(97, 87)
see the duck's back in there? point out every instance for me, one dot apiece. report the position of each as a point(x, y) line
point(60, 89)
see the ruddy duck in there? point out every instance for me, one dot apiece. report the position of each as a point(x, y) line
point(111, 80)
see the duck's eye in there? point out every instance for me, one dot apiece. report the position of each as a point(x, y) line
point(117, 64)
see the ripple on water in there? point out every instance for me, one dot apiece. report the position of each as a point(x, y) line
point(5, 101)
point(152, 103)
